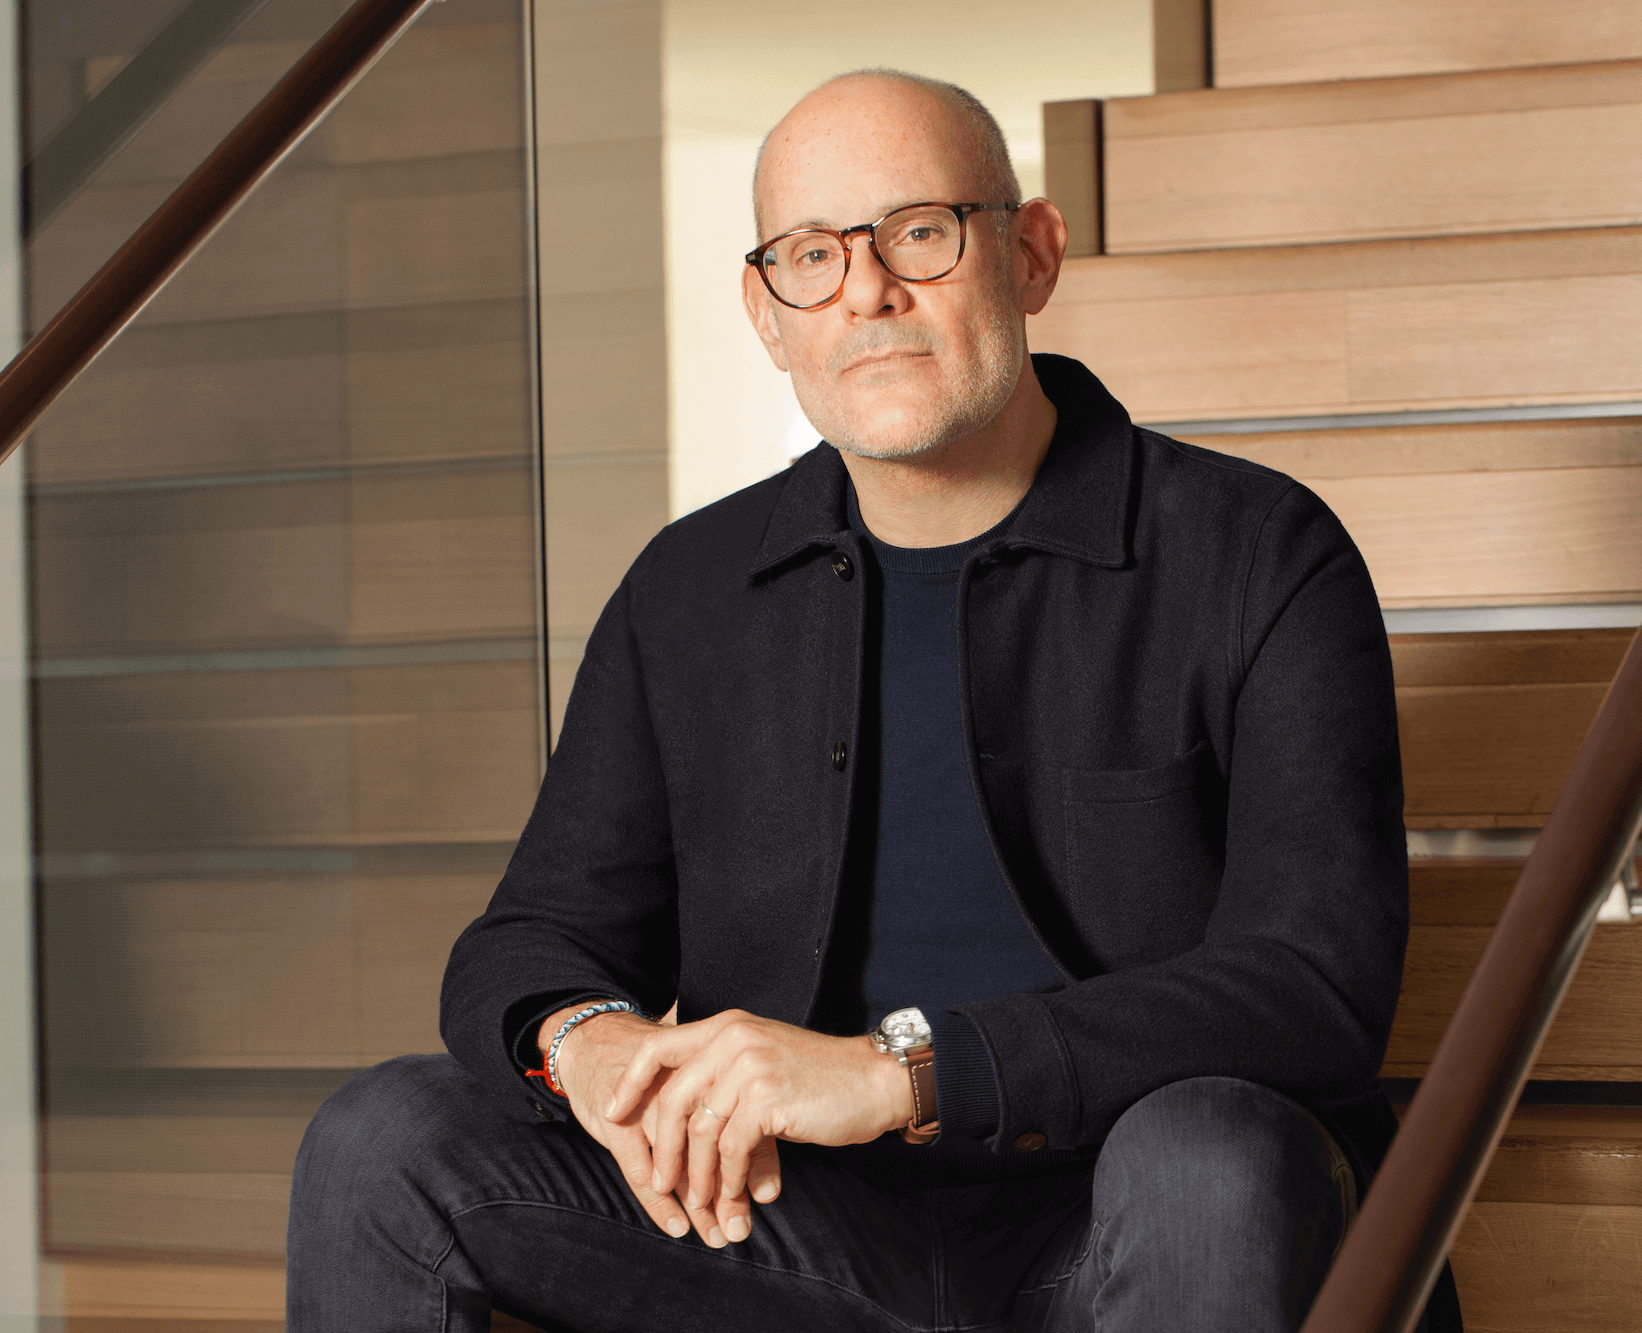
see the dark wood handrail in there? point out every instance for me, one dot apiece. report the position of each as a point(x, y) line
point(50, 360)
point(1391, 1258)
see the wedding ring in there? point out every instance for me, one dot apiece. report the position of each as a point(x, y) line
point(715, 1115)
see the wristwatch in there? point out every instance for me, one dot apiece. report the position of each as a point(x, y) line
point(907, 1036)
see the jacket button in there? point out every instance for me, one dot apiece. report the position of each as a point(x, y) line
point(1030, 1142)
point(840, 752)
point(842, 567)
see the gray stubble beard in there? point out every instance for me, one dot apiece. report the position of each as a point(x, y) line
point(985, 388)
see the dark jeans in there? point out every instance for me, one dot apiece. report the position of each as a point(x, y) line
point(1214, 1205)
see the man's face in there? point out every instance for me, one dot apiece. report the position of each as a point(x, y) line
point(890, 369)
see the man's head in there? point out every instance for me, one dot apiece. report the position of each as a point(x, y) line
point(894, 368)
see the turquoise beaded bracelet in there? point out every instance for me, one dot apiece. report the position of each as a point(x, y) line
point(550, 1068)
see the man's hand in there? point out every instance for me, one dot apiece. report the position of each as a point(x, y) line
point(763, 1081)
point(591, 1060)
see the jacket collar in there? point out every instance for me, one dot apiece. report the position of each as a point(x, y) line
point(1078, 505)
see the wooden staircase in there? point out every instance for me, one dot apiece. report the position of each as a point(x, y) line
point(1395, 250)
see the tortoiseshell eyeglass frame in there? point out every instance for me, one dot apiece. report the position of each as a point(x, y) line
point(755, 257)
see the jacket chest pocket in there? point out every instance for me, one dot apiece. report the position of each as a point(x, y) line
point(1145, 849)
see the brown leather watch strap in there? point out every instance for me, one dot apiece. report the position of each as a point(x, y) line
point(923, 1127)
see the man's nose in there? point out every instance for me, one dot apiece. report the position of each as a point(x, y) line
point(869, 288)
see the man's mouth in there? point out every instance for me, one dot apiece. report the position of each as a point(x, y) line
point(885, 357)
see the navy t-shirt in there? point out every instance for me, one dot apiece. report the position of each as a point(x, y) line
point(927, 919)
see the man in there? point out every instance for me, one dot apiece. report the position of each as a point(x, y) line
point(1074, 741)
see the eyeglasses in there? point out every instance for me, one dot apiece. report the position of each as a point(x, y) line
point(806, 268)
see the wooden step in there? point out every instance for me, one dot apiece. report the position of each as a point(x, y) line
point(1453, 905)
point(329, 389)
point(1595, 1035)
point(1453, 322)
point(1437, 155)
point(410, 558)
point(1550, 1245)
point(1490, 723)
point(1476, 512)
point(1300, 41)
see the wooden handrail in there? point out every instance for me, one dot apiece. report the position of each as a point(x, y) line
point(50, 360)
point(1395, 1251)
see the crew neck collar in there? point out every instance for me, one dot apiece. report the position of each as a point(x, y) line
point(924, 559)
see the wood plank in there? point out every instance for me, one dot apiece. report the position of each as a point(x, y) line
point(1473, 513)
point(1565, 1168)
point(1483, 321)
point(1475, 538)
point(1315, 456)
point(406, 558)
point(315, 972)
point(1517, 657)
point(1595, 1031)
point(1298, 41)
point(96, 1287)
point(1459, 892)
point(1549, 1268)
point(1180, 45)
point(1501, 750)
point(1071, 170)
point(1440, 155)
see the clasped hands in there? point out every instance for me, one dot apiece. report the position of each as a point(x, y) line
point(644, 1090)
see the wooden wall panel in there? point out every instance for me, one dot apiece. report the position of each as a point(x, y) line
point(1443, 155)
point(1299, 41)
point(321, 765)
point(326, 389)
point(200, 1183)
point(96, 1289)
point(1180, 45)
point(440, 89)
point(1482, 321)
point(133, 419)
point(1490, 723)
point(599, 142)
point(316, 972)
point(393, 558)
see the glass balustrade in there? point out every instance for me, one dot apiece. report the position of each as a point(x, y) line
point(284, 603)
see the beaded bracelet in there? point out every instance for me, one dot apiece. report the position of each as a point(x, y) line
point(550, 1066)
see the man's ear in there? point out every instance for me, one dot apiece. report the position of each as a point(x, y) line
point(1042, 245)
point(761, 311)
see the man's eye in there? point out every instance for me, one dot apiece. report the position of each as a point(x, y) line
point(814, 257)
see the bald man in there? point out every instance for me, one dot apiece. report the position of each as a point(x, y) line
point(1007, 796)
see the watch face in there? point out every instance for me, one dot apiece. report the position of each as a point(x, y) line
point(906, 1028)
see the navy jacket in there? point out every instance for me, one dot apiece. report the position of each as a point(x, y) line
point(1182, 734)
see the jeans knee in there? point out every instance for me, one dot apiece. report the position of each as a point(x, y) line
point(367, 1134)
point(1227, 1147)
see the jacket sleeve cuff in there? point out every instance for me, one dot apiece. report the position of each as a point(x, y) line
point(527, 1052)
point(966, 1084)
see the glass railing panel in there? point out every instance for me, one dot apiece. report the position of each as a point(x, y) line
point(122, 99)
point(286, 634)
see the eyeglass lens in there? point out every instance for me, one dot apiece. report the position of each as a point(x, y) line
point(916, 243)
